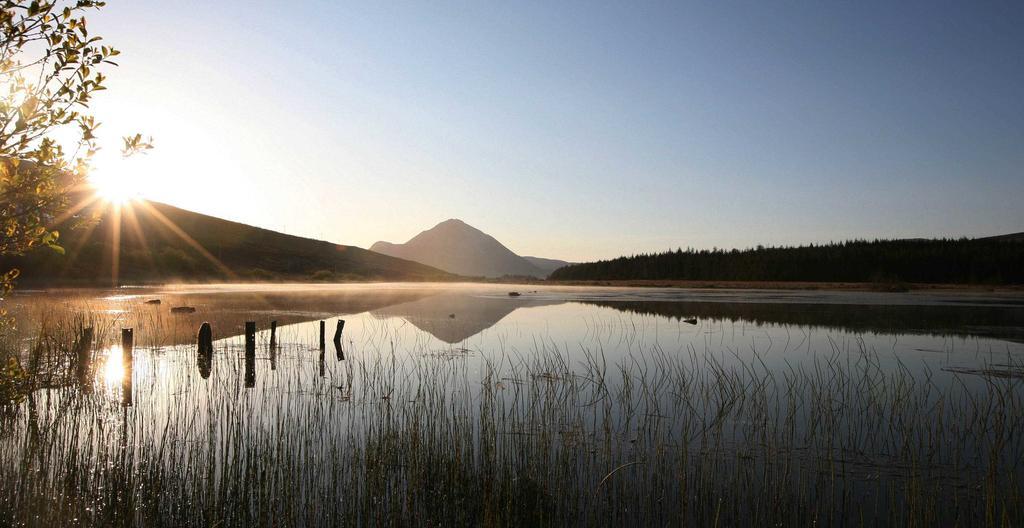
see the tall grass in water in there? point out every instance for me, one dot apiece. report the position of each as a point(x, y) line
point(400, 433)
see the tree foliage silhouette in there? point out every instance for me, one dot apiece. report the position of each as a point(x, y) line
point(50, 68)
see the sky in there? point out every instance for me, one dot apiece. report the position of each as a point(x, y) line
point(571, 130)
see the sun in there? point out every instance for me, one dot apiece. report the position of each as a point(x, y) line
point(114, 185)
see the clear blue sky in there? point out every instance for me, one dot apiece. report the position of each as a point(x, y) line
point(578, 130)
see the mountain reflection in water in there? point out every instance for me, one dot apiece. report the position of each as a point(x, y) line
point(454, 313)
point(455, 317)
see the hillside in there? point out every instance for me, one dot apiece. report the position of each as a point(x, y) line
point(995, 260)
point(159, 243)
point(1010, 237)
point(460, 248)
point(546, 265)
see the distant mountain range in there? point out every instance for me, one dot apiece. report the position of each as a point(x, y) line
point(457, 247)
point(160, 243)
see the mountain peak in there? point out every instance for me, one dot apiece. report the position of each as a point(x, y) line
point(454, 224)
point(458, 247)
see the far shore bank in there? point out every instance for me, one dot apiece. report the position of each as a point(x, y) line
point(525, 281)
point(786, 285)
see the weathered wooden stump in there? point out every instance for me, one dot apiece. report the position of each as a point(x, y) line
point(338, 350)
point(323, 331)
point(127, 356)
point(205, 364)
point(205, 338)
point(84, 344)
point(338, 330)
point(250, 371)
point(127, 343)
point(250, 338)
point(204, 357)
point(273, 345)
point(83, 356)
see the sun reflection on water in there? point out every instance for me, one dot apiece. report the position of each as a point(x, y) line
point(113, 370)
point(115, 373)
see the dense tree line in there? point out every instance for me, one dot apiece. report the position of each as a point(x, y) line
point(992, 261)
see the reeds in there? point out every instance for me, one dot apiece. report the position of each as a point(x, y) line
point(400, 434)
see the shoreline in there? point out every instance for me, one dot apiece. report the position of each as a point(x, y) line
point(794, 285)
point(524, 281)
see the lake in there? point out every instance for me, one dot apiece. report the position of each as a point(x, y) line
point(460, 404)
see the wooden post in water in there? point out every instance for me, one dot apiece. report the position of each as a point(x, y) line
point(338, 350)
point(273, 345)
point(127, 352)
point(84, 345)
point(250, 371)
point(337, 331)
point(205, 339)
point(83, 356)
point(337, 339)
point(250, 338)
point(204, 359)
point(323, 331)
point(250, 354)
point(127, 342)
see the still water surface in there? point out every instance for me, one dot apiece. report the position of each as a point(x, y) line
point(943, 332)
point(610, 377)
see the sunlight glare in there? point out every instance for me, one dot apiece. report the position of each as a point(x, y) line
point(114, 185)
point(113, 370)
